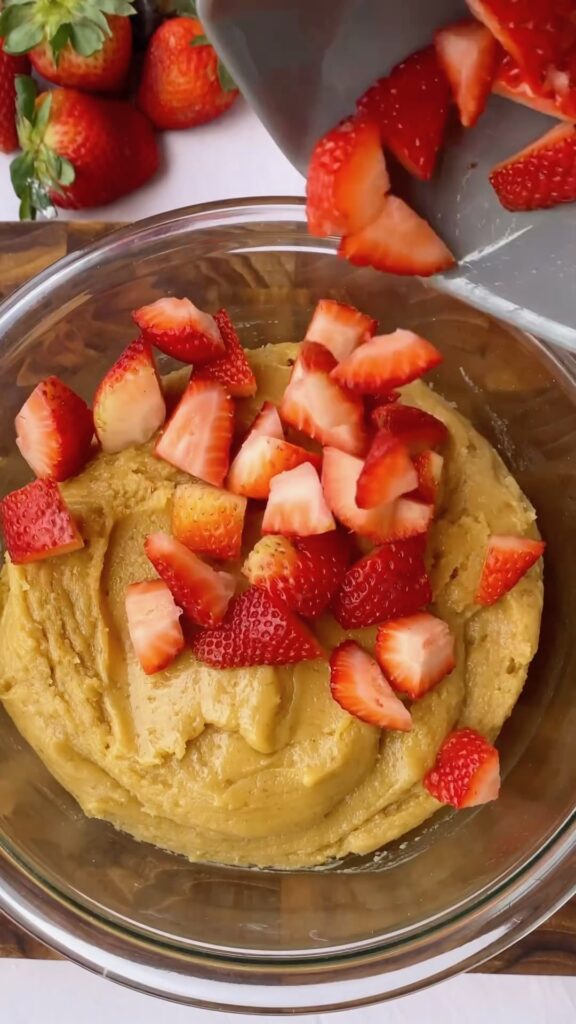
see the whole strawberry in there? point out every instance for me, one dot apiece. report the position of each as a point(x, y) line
point(78, 151)
point(9, 68)
point(84, 44)
point(183, 83)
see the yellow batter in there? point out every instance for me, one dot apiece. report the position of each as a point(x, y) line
point(258, 765)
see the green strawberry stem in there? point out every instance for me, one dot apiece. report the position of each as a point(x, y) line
point(25, 24)
point(38, 171)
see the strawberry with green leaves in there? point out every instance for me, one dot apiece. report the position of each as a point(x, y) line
point(78, 150)
point(83, 44)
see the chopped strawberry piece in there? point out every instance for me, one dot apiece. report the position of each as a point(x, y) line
point(510, 82)
point(231, 369)
point(208, 520)
point(153, 625)
point(388, 582)
point(339, 328)
point(316, 404)
point(54, 430)
point(347, 179)
point(260, 460)
point(387, 361)
point(507, 560)
point(466, 772)
point(428, 466)
point(534, 32)
point(358, 686)
point(417, 429)
point(202, 592)
point(181, 330)
point(468, 55)
point(410, 107)
point(129, 405)
point(268, 422)
point(541, 175)
point(37, 524)
point(198, 435)
point(257, 630)
point(392, 521)
point(387, 472)
point(297, 506)
point(415, 653)
point(398, 241)
point(304, 572)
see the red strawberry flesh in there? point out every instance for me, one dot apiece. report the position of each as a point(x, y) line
point(388, 582)
point(297, 506)
point(54, 430)
point(416, 429)
point(357, 684)
point(468, 55)
point(202, 592)
point(153, 625)
point(398, 241)
point(541, 175)
point(129, 405)
point(507, 560)
point(198, 435)
point(37, 524)
point(339, 328)
point(415, 653)
point(208, 520)
point(387, 361)
point(231, 369)
point(260, 460)
point(181, 330)
point(387, 472)
point(466, 772)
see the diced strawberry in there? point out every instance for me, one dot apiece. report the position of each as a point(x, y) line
point(358, 686)
point(208, 520)
point(392, 521)
point(347, 179)
point(297, 506)
point(268, 422)
point(417, 429)
point(260, 460)
point(466, 772)
point(304, 572)
point(507, 560)
point(534, 32)
point(388, 582)
point(129, 405)
point(153, 625)
point(339, 328)
point(410, 107)
point(415, 653)
point(398, 241)
point(511, 83)
point(202, 592)
point(198, 435)
point(257, 630)
point(231, 369)
point(468, 55)
point(372, 403)
point(541, 175)
point(54, 430)
point(387, 361)
point(181, 330)
point(316, 404)
point(428, 466)
point(37, 524)
point(387, 472)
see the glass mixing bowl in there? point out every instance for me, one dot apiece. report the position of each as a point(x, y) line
point(451, 893)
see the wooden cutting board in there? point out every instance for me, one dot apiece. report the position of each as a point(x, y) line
point(25, 249)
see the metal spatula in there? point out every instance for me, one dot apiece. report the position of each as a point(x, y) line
point(303, 63)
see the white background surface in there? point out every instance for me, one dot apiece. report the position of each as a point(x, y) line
point(231, 157)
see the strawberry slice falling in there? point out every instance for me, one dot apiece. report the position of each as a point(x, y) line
point(388, 582)
point(507, 560)
point(260, 460)
point(54, 430)
point(387, 472)
point(304, 572)
point(198, 435)
point(466, 772)
point(37, 524)
point(415, 428)
point(386, 361)
point(398, 241)
point(208, 520)
point(297, 506)
point(129, 405)
point(258, 630)
point(231, 369)
point(339, 328)
point(153, 625)
point(202, 592)
point(415, 653)
point(358, 686)
point(541, 175)
point(410, 107)
point(181, 330)
point(468, 55)
point(347, 179)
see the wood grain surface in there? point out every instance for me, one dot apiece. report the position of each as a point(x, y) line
point(26, 249)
